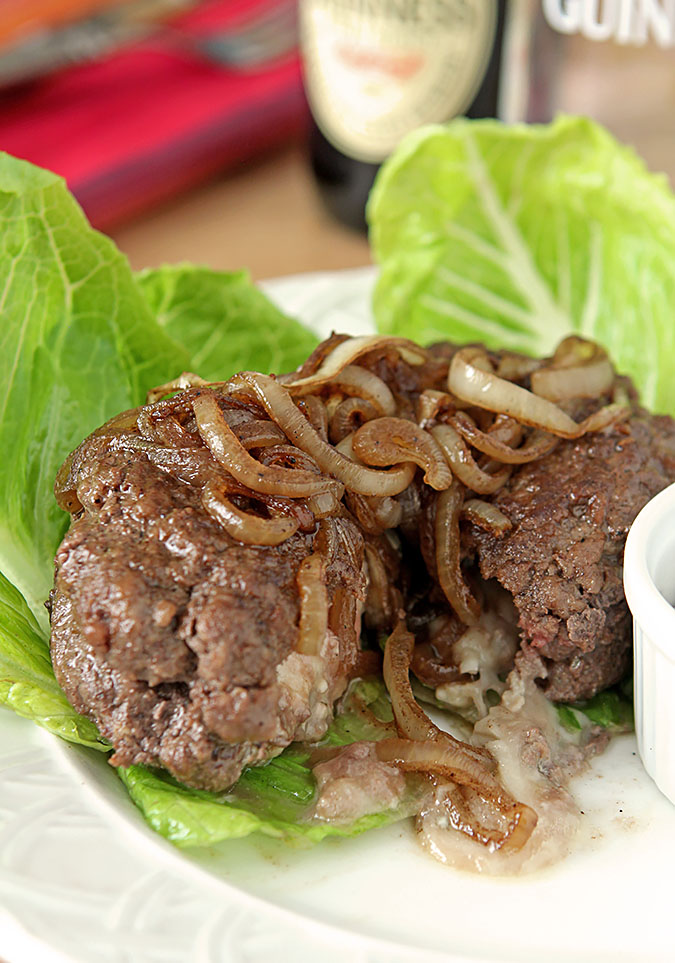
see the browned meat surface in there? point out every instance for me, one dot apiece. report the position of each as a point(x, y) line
point(180, 641)
point(197, 648)
point(562, 561)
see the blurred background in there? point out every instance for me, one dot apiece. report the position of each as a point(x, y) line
point(181, 126)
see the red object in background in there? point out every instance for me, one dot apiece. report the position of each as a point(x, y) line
point(145, 123)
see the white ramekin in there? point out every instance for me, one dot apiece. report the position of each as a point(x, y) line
point(649, 583)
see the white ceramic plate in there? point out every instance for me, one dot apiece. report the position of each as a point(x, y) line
point(82, 879)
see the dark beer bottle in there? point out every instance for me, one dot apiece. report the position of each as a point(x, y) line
point(376, 69)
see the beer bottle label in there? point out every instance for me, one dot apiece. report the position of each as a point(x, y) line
point(376, 69)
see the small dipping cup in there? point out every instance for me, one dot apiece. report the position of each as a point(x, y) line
point(649, 584)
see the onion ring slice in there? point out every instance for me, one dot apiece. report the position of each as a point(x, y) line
point(188, 379)
point(468, 380)
point(231, 454)
point(486, 515)
point(539, 443)
point(463, 464)
point(411, 720)
point(355, 382)
point(243, 526)
point(313, 624)
point(280, 406)
point(390, 441)
point(432, 751)
point(446, 531)
point(348, 351)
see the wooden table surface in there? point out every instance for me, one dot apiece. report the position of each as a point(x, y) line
point(266, 217)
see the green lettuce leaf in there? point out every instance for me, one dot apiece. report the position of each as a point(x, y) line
point(27, 683)
point(514, 236)
point(78, 343)
point(274, 799)
point(612, 709)
point(83, 339)
point(517, 236)
point(224, 321)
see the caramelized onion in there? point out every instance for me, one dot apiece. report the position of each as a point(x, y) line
point(355, 382)
point(359, 506)
point(231, 454)
point(446, 758)
point(516, 367)
point(387, 511)
point(323, 504)
point(187, 379)
point(446, 531)
point(466, 781)
point(286, 456)
point(315, 411)
point(411, 720)
point(245, 527)
point(430, 750)
point(468, 379)
point(506, 429)
point(290, 507)
point(431, 403)
point(497, 821)
point(313, 624)
point(390, 441)
point(378, 599)
point(348, 351)
point(463, 465)
point(346, 448)
point(260, 433)
point(578, 369)
point(486, 515)
point(348, 417)
point(280, 406)
point(322, 350)
point(539, 443)
point(609, 415)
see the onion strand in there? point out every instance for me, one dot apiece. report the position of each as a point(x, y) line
point(280, 406)
point(469, 381)
point(244, 526)
point(231, 454)
point(446, 532)
point(389, 441)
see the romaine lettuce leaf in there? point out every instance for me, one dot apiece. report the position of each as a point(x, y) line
point(513, 236)
point(224, 321)
point(27, 683)
point(612, 709)
point(83, 339)
point(518, 235)
point(273, 799)
point(78, 344)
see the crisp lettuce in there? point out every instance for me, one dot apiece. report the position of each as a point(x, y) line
point(514, 236)
point(517, 236)
point(82, 339)
point(78, 343)
point(611, 709)
point(224, 321)
point(27, 682)
point(274, 799)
